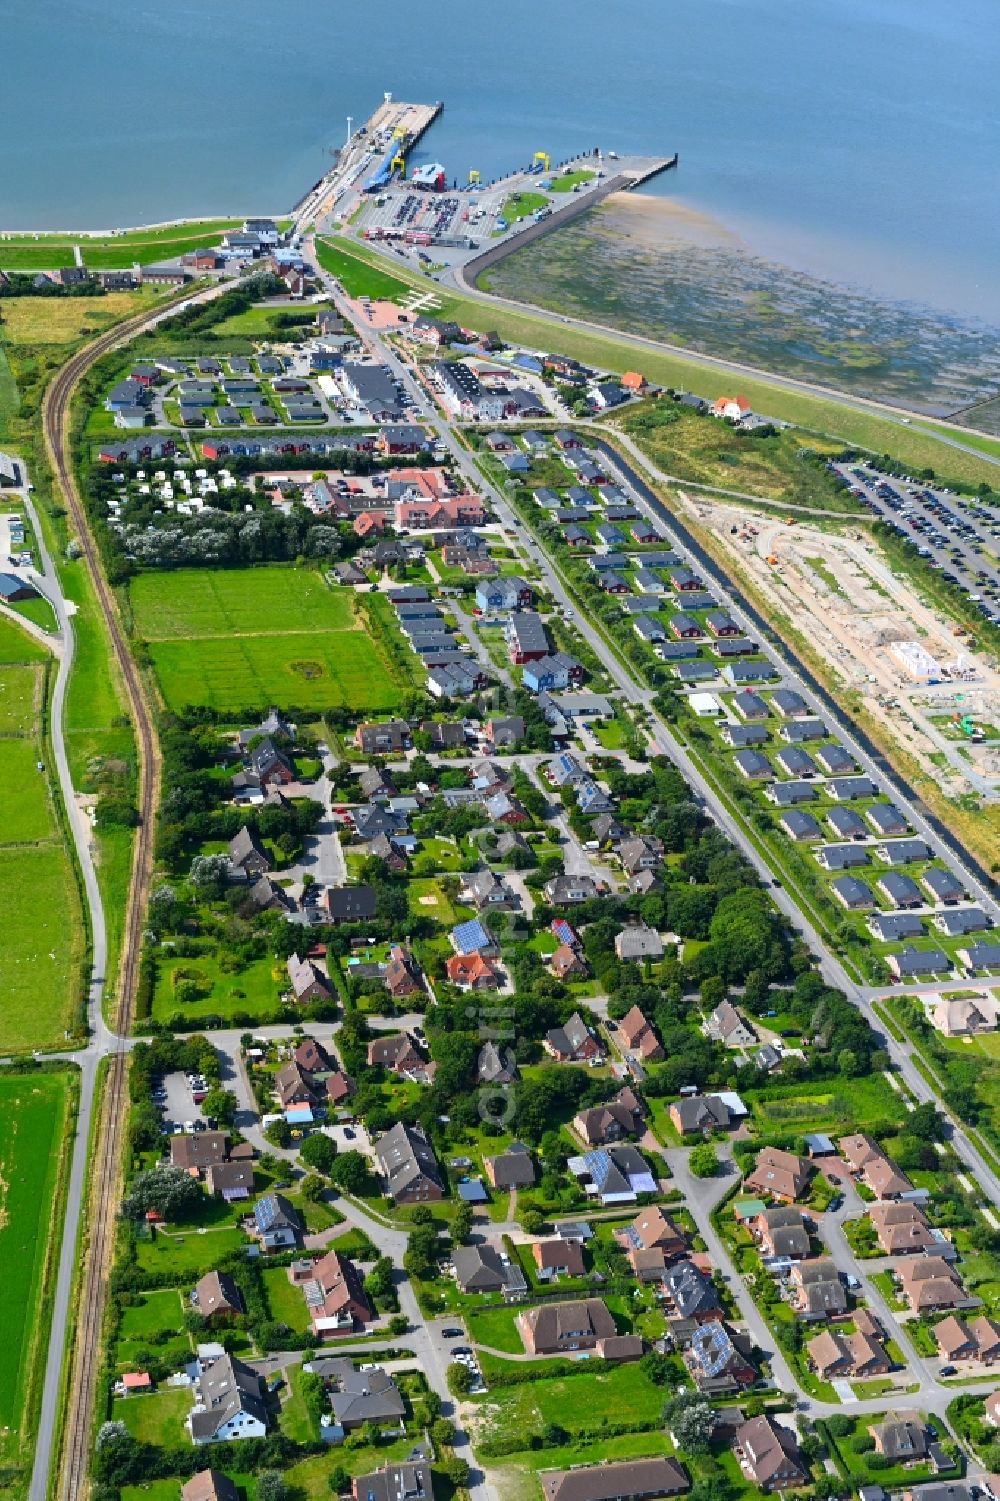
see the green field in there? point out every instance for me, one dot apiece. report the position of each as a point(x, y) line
point(357, 278)
point(522, 206)
point(112, 252)
point(43, 940)
point(20, 698)
point(256, 637)
point(622, 1395)
point(155, 1417)
point(569, 180)
point(27, 814)
point(34, 1123)
point(189, 1255)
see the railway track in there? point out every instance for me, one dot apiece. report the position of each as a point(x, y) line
point(86, 1351)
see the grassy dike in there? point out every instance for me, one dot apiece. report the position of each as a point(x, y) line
point(916, 443)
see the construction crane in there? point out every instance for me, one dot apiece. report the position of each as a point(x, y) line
point(398, 163)
point(544, 158)
point(473, 176)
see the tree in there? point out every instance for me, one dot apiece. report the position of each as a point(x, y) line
point(350, 1172)
point(690, 1419)
point(533, 1221)
point(459, 1379)
point(312, 1187)
point(278, 1133)
point(338, 1480)
point(399, 1323)
point(169, 1191)
point(318, 1152)
point(378, 1283)
point(220, 1105)
point(461, 1225)
point(456, 1470)
point(271, 1486)
point(655, 1367)
point(703, 1161)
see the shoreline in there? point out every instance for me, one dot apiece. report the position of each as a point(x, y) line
point(132, 229)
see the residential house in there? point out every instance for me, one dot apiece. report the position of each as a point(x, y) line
point(412, 1481)
point(512, 1169)
point(247, 854)
point(403, 976)
point(769, 1455)
point(398, 1053)
point(216, 1296)
point(408, 1166)
point(367, 1395)
point(867, 1161)
point(691, 1294)
point(700, 1112)
point(718, 1358)
point(901, 1437)
point(781, 1234)
point(230, 1403)
point(727, 1026)
point(781, 1174)
point(560, 1328)
point(335, 1297)
point(558, 1258)
point(308, 983)
point(275, 1223)
point(651, 1242)
point(976, 1339)
point(473, 971)
point(621, 1480)
point(634, 944)
point(573, 1042)
point(209, 1485)
point(479, 1269)
point(614, 1174)
point(818, 1292)
point(901, 1228)
point(635, 1032)
point(929, 1283)
point(613, 1121)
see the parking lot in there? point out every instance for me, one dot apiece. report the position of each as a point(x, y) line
point(174, 1099)
point(955, 534)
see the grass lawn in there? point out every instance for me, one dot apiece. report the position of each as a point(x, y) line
point(357, 277)
point(801, 1109)
point(110, 252)
point(249, 638)
point(568, 181)
point(285, 1302)
point(153, 1490)
point(495, 1327)
point(187, 1256)
point(157, 1311)
point(255, 989)
point(296, 1420)
point(516, 1474)
point(20, 698)
point(34, 1123)
point(27, 814)
point(42, 945)
point(427, 898)
point(522, 205)
point(309, 1479)
point(622, 1395)
point(155, 1417)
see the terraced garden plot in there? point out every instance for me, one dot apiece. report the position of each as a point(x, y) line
point(34, 1123)
point(255, 637)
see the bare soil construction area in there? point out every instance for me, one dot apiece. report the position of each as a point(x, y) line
point(878, 637)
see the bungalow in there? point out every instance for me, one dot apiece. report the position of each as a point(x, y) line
point(852, 893)
point(558, 1258)
point(980, 955)
point(560, 1328)
point(514, 1168)
point(901, 1437)
point(731, 408)
point(697, 1112)
point(573, 1042)
point(636, 943)
point(899, 891)
point(915, 964)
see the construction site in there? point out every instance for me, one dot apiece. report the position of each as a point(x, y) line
point(911, 666)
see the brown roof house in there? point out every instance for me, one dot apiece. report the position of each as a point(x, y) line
point(818, 1292)
point(781, 1233)
point(554, 1328)
point(216, 1296)
point(783, 1175)
point(901, 1228)
point(929, 1282)
point(407, 1163)
point(867, 1161)
point(769, 1455)
point(859, 1355)
point(611, 1122)
point(638, 1036)
point(335, 1297)
point(977, 1339)
point(556, 1257)
point(199, 1150)
point(398, 1053)
point(308, 983)
point(650, 1242)
point(209, 1485)
point(573, 1042)
point(402, 973)
point(625, 1480)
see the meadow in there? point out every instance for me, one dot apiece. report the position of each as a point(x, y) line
point(43, 941)
point(251, 638)
point(65, 320)
point(24, 253)
point(34, 1122)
